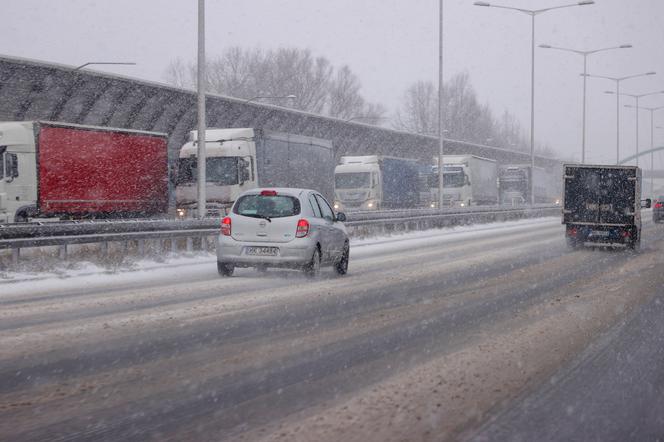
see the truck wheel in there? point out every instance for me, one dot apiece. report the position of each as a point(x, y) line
point(342, 265)
point(225, 269)
point(21, 217)
point(312, 269)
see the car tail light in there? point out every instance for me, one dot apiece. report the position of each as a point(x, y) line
point(572, 232)
point(626, 234)
point(269, 193)
point(226, 226)
point(658, 205)
point(302, 228)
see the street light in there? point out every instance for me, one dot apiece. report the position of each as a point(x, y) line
point(533, 13)
point(290, 97)
point(585, 55)
point(201, 152)
point(637, 107)
point(618, 80)
point(636, 97)
point(441, 108)
point(128, 63)
point(364, 117)
point(652, 137)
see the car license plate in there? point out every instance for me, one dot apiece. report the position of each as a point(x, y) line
point(262, 251)
point(602, 233)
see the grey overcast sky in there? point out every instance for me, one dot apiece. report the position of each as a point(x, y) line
point(389, 44)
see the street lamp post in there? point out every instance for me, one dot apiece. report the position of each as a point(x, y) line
point(290, 97)
point(441, 108)
point(363, 117)
point(126, 63)
point(585, 55)
point(652, 139)
point(201, 164)
point(533, 13)
point(637, 97)
point(618, 80)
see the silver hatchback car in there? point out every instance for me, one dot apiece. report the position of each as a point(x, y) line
point(282, 227)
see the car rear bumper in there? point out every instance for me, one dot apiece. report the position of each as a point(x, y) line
point(295, 253)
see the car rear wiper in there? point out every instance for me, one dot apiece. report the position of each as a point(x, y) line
point(255, 215)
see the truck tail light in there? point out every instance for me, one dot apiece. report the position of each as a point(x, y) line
point(572, 231)
point(226, 226)
point(626, 234)
point(302, 228)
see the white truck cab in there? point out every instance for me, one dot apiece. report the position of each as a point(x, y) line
point(230, 170)
point(357, 183)
point(18, 169)
point(468, 180)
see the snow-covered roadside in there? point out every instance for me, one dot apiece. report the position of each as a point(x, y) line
point(85, 274)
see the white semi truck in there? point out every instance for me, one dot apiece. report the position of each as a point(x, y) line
point(468, 180)
point(373, 182)
point(246, 158)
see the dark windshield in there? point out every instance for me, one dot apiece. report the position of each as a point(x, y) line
point(2, 161)
point(355, 180)
point(513, 184)
point(263, 206)
point(453, 177)
point(219, 170)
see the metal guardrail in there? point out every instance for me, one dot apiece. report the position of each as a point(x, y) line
point(469, 213)
point(16, 236)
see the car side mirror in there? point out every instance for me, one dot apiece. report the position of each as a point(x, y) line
point(341, 217)
point(648, 203)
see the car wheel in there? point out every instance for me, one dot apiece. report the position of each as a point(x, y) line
point(313, 268)
point(342, 265)
point(225, 269)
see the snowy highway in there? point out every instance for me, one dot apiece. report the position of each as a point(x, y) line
point(435, 335)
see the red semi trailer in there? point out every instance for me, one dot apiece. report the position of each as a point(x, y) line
point(70, 171)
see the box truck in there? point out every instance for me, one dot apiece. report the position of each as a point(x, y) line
point(468, 180)
point(68, 171)
point(602, 205)
point(375, 182)
point(246, 158)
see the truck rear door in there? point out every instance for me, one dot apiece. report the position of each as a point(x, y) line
point(600, 195)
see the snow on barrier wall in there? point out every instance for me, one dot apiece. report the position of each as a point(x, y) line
point(32, 90)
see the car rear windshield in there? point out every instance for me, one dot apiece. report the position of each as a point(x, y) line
point(267, 206)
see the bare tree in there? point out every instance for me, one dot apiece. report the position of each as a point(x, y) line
point(250, 73)
point(419, 112)
point(178, 73)
point(465, 118)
